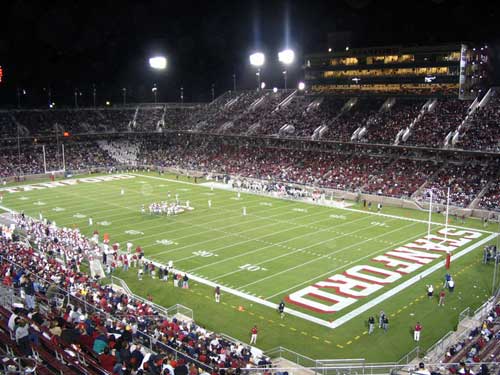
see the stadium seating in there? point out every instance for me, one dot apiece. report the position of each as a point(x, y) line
point(286, 115)
point(435, 125)
point(385, 127)
point(465, 182)
point(484, 131)
point(120, 321)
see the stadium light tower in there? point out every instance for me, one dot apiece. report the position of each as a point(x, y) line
point(257, 59)
point(158, 62)
point(286, 57)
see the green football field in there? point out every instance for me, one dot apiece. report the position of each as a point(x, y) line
point(279, 247)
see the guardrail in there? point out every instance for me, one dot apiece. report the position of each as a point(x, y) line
point(466, 313)
point(290, 355)
point(409, 357)
point(177, 309)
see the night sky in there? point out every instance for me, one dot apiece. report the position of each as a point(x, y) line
point(81, 44)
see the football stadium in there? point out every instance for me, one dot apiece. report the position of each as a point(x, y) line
point(331, 208)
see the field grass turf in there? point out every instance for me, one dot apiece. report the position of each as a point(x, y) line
point(279, 247)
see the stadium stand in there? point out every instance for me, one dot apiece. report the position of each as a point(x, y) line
point(399, 115)
point(287, 116)
point(465, 182)
point(72, 324)
point(483, 132)
point(443, 118)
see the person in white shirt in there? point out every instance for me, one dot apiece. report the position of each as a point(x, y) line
point(421, 370)
point(430, 291)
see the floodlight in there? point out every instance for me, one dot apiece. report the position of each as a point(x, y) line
point(158, 62)
point(257, 59)
point(302, 86)
point(287, 56)
point(275, 90)
point(263, 85)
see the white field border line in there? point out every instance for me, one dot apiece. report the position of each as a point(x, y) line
point(418, 220)
point(345, 318)
point(254, 228)
point(286, 199)
point(250, 297)
point(339, 208)
point(8, 210)
point(246, 241)
point(280, 243)
point(315, 259)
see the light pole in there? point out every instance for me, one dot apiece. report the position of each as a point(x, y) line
point(154, 90)
point(49, 96)
point(124, 93)
point(182, 95)
point(213, 91)
point(257, 59)
point(76, 98)
point(18, 91)
point(157, 63)
point(93, 94)
point(234, 81)
point(286, 57)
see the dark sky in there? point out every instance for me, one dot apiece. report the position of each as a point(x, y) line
point(79, 44)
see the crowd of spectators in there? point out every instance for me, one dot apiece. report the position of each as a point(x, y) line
point(483, 133)
point(385, 126)
point(30, 159)
point(216, 116)
point(258, 112)
point(122, 334)
point(435, 125)
point(148, 119)
point(402, 178)
point(343, 127)
point(264, 109)
point(290, 114)
point(481, 344)
point(464, 180)
point(490, 200)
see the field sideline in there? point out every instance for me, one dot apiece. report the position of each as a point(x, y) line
point(279, 247)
